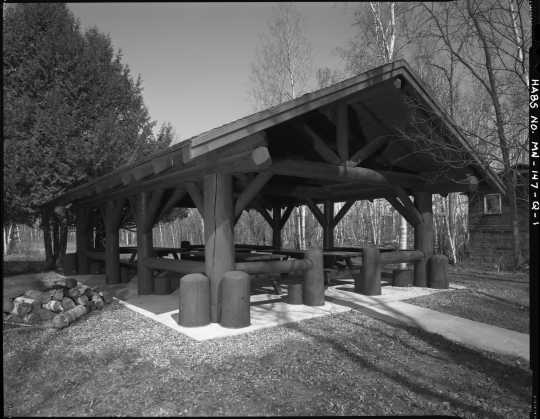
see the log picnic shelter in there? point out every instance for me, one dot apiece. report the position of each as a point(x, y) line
point(342, 143)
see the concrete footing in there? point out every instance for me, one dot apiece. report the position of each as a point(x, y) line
point(234, 296)
point(294, 292)
point(437, 268)
point(194, 307)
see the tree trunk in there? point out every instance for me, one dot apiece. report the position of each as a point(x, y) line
point(503, 140)
point(451, 226)
point(7, 238)
point(402, 238)
point(62, 242)
point(46, 226)
point(61, 235)
point(516, 244)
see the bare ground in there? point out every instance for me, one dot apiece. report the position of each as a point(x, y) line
point(497, 298)
point(119, 363)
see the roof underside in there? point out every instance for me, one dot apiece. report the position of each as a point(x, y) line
point(410, 137)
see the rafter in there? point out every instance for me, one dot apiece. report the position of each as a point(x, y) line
point(320, 146)
point(368, 150)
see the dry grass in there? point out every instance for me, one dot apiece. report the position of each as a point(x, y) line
point(496, 298)
point(118, 363)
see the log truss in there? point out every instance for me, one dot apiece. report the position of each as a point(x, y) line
point(334, 145)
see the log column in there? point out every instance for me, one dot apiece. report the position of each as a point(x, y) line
point(113, 212)
point(423, 236)
point(46, 226)
point(83, 240)
point(218, 232)
point(145, 247)
point(276, 227)
point(97, 227)
point(328, 226)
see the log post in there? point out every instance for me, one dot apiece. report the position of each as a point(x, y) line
point(234, 296)
point(369, 281)
point(113, 211)
point(313, 289)
point(97, 222)
point(437, 267)
point(276, 227)
point(145, 283)
point(423, 236)
point(194, 310)
point(82, 240)
point(218, 232)
point(328, 226)
point(46, 226)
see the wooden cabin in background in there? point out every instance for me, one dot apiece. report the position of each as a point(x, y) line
point(490, 224)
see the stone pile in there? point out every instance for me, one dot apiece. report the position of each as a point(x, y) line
point(58, 306)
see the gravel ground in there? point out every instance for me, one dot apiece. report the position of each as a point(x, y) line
point(119, 363)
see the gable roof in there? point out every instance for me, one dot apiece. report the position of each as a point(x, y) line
point(188, 152)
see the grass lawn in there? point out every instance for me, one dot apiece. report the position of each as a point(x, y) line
point(496, 298)
point(119, 363)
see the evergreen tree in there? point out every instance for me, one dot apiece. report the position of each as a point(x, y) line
point(72, 110)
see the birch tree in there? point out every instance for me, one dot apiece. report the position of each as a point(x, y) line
point(378, 41)
point(282, 71)
point(490, 42)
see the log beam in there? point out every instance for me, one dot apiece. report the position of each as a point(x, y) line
point(162, 164)
point(252, 160)
point(282, 266)
point(180, 266)
point(143, 171)
point(324, 171)
point(401, 256)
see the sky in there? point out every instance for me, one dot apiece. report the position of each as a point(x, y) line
point(195, 58)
